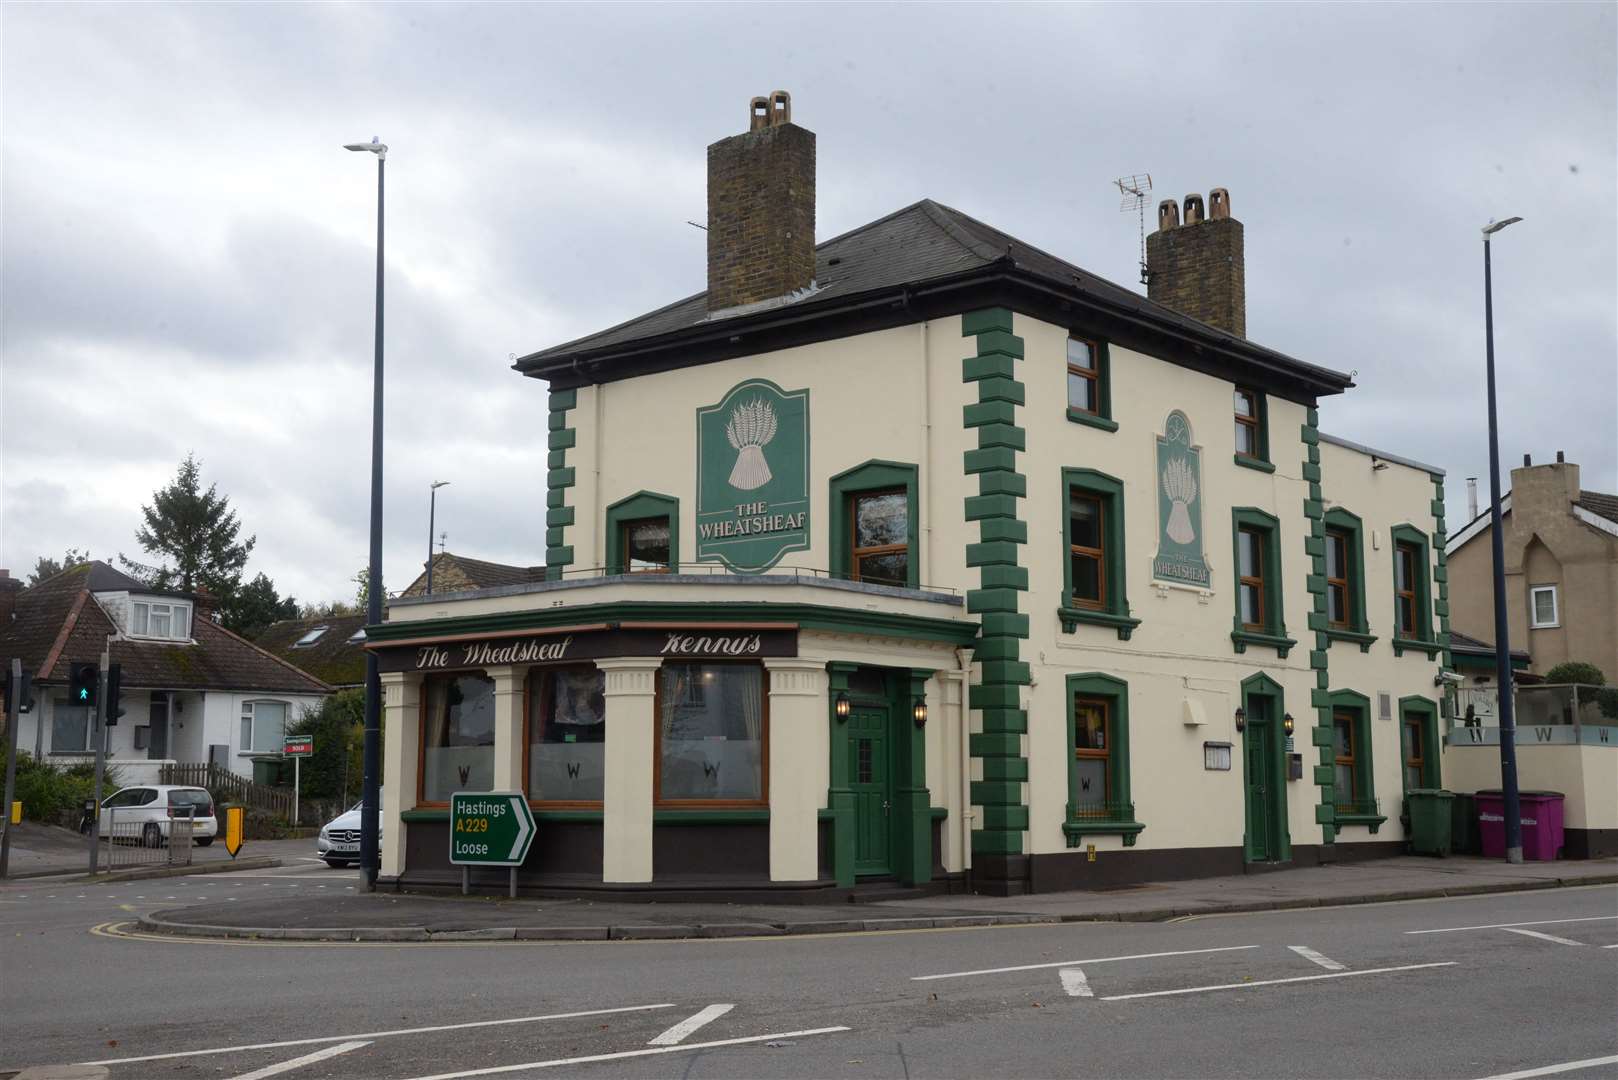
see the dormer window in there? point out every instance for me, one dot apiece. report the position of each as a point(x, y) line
point(170, 621)
point(310, 638)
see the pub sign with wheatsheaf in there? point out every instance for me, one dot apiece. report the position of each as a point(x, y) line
point(753, 476)
point(1180, 551)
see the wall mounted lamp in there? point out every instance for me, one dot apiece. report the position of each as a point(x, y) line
point(918, 712)
point(1241, 719)
point(1286, 724)
point(842, 707)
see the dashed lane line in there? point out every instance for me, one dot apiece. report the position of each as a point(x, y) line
point(1276, 982)
point(1075, 963)
point(622, 1054)
point(1324, 961)
point(1543, 937)
point(1510, 925)
point(685, 1028)
point(299, 1062)
point(1551, 1070)
point(1074, 983)
point(371, 1035)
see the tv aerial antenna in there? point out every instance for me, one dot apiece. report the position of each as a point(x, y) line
point(1135, 189)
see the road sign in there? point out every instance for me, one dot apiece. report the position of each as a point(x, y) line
point(298, 745)
point(235, 832)
point(489, 828)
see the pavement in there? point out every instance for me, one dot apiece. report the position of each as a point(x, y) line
point(354, 915)
point(46, 851)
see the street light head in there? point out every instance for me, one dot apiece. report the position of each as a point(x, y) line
point(375, 146)
point(440, 483)
point(1495, 226)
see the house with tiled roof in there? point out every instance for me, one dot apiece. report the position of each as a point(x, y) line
point(454, 573)
point(1561, 563)
point(329, 647)
point(192, 690)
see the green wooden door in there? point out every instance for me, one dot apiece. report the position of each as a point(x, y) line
point(870, 772)
point(1263, 842)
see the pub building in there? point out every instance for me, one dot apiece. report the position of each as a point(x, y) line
point(921, 558)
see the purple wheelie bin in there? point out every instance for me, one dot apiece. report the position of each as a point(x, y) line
point(1542, 824)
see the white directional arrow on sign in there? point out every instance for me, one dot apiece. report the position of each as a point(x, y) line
point(525, 827)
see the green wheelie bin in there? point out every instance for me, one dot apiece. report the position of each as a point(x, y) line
point(1430, 826)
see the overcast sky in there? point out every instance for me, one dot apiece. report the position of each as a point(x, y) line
point(188, 252)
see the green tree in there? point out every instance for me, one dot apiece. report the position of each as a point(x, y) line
point(1576, 671)
point(337, 724)
point(47, 567)
point(362, 590)
point(254, 606)
point(194, 534)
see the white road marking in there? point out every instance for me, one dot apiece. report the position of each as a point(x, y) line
point(1549, 1070)
point(375, 1034)
point(1540, 936)
point(674, 1035)
point(1074, 963)
point(1277, 982)
point(1074, 982)
point(1509, 925)
point(1324, 961)
point(300, 1062)
point(633, 1053)
point(1610, 946)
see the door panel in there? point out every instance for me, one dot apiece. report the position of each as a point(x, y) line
point(870, 771)
point(158, 735)
point(1263, 783)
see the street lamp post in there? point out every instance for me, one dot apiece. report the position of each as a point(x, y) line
point(432, 512)
point(1502, 629)
point(369, 808)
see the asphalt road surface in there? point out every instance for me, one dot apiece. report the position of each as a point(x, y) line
point(1523, 984)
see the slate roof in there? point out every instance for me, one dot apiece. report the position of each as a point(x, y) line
point(1599, 504)
point(59, 621)
point(457, 573)
point(1471, 646)
point(332, 658)
point(924, 242)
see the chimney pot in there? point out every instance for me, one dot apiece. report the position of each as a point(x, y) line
point(1471, 497)
point(1559, 458)
point(1218, 204)
point(1527, 460)
point(758, 114)
point(1193, 210)
point(1168, 215)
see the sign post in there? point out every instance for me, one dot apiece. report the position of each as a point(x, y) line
point(297, 747)
point(16, 691)
point(489, 828)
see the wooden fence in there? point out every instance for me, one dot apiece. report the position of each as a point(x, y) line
point(227, 787)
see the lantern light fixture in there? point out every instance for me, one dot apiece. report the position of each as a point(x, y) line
point(842, 707)
point(918, 712)
point(1241, 719)
point(1286, 724)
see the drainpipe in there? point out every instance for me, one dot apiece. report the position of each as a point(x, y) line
point(963, 677)
point(926, 493)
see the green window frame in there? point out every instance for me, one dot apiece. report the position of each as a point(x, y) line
point(1421, 713)
point(1408, 537)
point(639, 507)
point(871, 477)
point(1356, 628)
point(1115, 814)
point(1273, 632)
point(1351, 742)
point(1097, 376)
point(1251, 412)
point(1113, 611)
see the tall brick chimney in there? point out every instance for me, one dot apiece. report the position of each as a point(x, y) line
point(1197, 267)
point(9, 588)
point(761, 208)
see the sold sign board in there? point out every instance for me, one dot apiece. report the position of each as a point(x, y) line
point(298, 745)
point(489, 828)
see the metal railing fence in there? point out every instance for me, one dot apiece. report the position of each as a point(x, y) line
point(132, 836)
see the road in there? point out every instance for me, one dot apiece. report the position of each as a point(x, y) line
point(1475, 987)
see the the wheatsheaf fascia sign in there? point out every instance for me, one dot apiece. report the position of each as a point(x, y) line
point(1180, 558)
point(753, 476)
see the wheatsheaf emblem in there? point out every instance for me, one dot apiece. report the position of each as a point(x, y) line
point(1180, 485)
point(751, 427)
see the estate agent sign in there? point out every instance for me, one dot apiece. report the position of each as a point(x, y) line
point(1179, 507)
point(489, 828)
point(753, 476)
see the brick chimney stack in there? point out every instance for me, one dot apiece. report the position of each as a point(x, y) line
point(761, 208)
point(9, 588)
point(1197, 266)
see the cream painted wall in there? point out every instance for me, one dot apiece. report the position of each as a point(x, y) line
point(1586, 775)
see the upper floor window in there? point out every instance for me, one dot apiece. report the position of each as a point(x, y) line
point(643, 534)
point(1093, 559)
point(1087, 549)
point(1405, 574)
point(160, 619)
point(881, 527)
point(1543, 609)
point(1256, 537)
point(1252, 430)
point(646, 546)
point(1250, 557)
point(1342, 567)
point(1339, 600)
point(1089, 390)
point(1412, 593)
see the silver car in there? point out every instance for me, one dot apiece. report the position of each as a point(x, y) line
point(339, 841)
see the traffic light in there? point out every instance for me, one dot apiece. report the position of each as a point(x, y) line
point(115, 676)
point(81, 684)
point(24, 691)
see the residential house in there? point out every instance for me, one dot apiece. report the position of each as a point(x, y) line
point(458, 573)
point(331, 648)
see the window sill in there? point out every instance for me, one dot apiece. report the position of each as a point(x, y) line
point(1279, 642)
point(1431, 648)
point(1075, 831)
point(711, 817)
point(1071, 618)
point(1079, 416)
point(1359, 637)
point(1254, 463)
point(1373, 820)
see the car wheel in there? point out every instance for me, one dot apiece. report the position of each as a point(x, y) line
point(204, 841)
point(151, 836)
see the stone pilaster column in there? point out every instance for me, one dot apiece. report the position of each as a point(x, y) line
point(509, 748)
point(800, 749)
point(626, 834)
point(401, 749)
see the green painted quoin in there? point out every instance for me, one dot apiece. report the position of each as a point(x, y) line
point(1314, 512)
point(1003, 818)
point(558, 479)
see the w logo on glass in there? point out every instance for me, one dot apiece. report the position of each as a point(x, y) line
point(573, 770)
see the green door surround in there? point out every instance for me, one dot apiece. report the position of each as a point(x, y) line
point(911, 817)
point(638, 507)
point(1268, 837)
